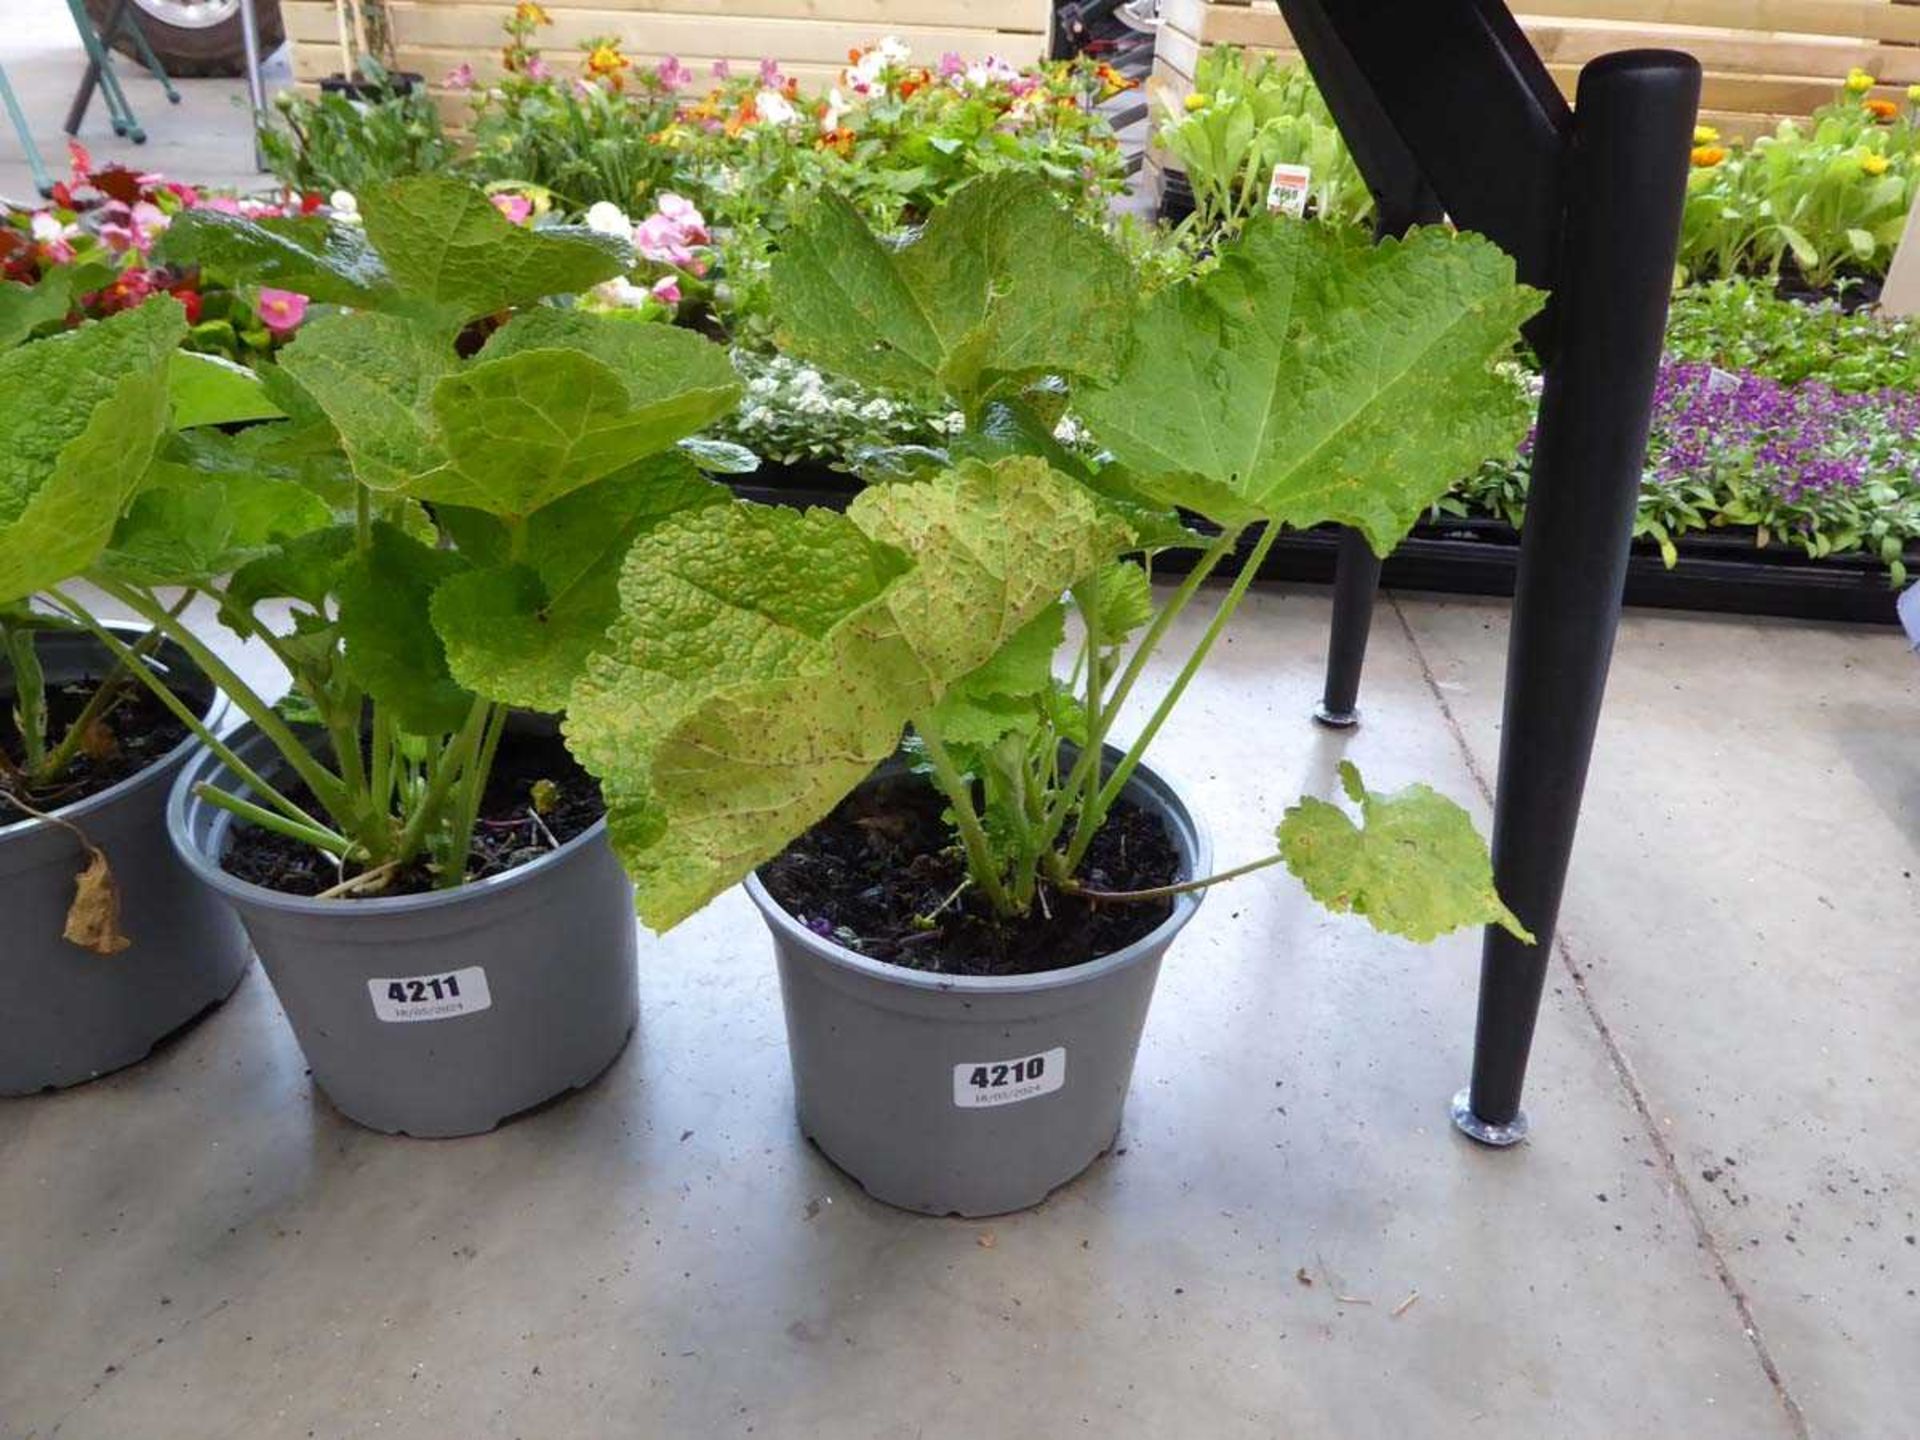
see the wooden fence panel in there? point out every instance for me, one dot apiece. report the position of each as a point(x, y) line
point(810, 38)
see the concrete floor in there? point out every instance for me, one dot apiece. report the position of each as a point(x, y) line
point(1711, 1233)
point(206, 139)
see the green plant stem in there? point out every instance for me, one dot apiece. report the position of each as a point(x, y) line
point(1167, 892)
point(30, 701)
point(472, 792)
point(1089, 757)
point(327, 787)
point(1109, 792)
point(320, 839)
point(973, 835)
point(1096, 689)
point(182, 712)
point(452, 761)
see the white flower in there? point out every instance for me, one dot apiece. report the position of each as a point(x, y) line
point(773, 108)
point(893, 50)
point(47, 229)
point(606, 218)
point(621, 293)
point(344, 204)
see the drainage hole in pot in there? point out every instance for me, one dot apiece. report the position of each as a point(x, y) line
point(870, 873)
point(509, 834)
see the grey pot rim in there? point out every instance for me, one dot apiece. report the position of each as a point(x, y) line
point(1185, 907)
point(183, 805)
point(217, 712)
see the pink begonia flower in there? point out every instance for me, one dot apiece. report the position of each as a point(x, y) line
point(683, 212)
point(667, 291)
point(281, 311)
point(770, 75)
point(517, 208)
point(537, 69)
point(459, 78)
point(188, 197)
point(673, 75)
point(221, 204)
point(722, 70)
point(658, 238)
point(951, 65)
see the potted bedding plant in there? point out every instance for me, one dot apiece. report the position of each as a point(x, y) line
point(898, 725)
point(109, 946)
point(420, 866)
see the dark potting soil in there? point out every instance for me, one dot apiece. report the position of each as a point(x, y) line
point(138, 731)
point(507, 836)
point(868, 874)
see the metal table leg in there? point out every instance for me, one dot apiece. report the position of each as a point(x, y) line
point(256, 87)
point(35, 165)
point(1626, 181)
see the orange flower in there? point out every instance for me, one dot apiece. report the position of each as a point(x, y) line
point(1111, 80)
point(605, 62)
point(839, 141)
point(853, 55)
point(743, 117)
point(1708, 156)
point(1881, 109)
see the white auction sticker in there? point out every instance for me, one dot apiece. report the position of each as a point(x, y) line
point(983, 1085)
point(431, 997)
point(1287, 192)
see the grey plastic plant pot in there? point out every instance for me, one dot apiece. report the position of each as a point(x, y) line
point(66, 1014)
point(444, 1014)
point(970, 1095)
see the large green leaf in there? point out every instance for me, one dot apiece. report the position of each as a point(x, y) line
point(82, 415)
point(385, 625)
point(519, 630)
point(323, 261)
point(445, 243)
point(373, 375)
point(1416, 867)
point(1002, 286)
point(213, 390)
point(530, 427)
point(24, 308)
point(761, 667)
point(187, 528)
point(1314, 376)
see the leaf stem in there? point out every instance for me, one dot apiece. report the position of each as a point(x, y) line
point(973, 835)
point(327, 787)
point(1166, 892)
point(1131, 760)
point(184, 713)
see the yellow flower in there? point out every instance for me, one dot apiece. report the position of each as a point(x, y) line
point(1913, 94)
point(1195, 101)
point(1708, 156)
point(1859, 81)
point(1874, 164)
point(605, 60)
point(528, 13)
point(1705, 134)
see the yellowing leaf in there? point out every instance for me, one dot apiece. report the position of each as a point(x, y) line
point(1416, 867)
point(713, 756)
point(93, 919)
